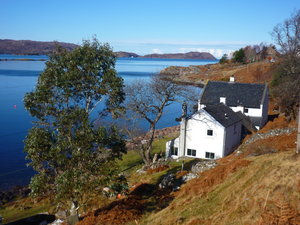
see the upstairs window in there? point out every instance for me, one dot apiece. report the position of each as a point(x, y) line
point(209, 155)
point(191, 152)
point(210, 132)
point(246, 110)
point(174, 151)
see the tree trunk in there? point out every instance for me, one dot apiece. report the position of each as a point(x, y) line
point(74, 217)
point(298, 135)
point(149, 145)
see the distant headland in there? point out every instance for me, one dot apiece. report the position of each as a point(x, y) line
point(28, 47)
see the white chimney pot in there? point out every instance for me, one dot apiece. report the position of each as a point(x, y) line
point(223, 100)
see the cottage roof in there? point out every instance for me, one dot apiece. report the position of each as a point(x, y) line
point(223, 114)
point(236, 94)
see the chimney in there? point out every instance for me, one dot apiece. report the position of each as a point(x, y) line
point(223, 100)
point(231, 79)
point(182, 136)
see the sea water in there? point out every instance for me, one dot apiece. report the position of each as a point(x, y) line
point(19, 77)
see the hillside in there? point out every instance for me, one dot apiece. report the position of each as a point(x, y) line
point(27, 47)
point(258, 184)
point(258, 72)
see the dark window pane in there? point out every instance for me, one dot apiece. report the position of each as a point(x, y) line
point(193, 152)
point(175, 151)
point(189, 152)
point(210, 132)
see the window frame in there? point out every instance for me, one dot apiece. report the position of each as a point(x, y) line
point(174, 150)
point(210, 155)
point(191, 152)
point(210, 132)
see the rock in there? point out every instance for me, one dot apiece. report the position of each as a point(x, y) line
point(201, 166)
point(57, 222)
point(189, 176)
point(61, 214)
point(167, 181)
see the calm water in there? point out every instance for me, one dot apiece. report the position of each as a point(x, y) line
point(19, 77)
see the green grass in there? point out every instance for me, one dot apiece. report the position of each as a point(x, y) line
point(133, 158)
point(11, 213)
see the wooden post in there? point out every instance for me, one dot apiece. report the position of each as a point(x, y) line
point(298, 135)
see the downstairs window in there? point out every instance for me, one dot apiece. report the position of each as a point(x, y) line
point(209, 155)
point(174, 151)
point(191, 152)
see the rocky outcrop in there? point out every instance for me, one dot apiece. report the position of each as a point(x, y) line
point(271, 133)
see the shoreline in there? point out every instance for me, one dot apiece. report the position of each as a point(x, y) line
point(23, 59)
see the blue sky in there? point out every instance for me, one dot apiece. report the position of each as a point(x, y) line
point(147, 26)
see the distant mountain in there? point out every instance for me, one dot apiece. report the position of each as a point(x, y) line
point(126, 55)
point(189, 55)
point(27, 47)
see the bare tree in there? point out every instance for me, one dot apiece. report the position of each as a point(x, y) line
point(148, 101)
point(286, 82)
point(287, 35)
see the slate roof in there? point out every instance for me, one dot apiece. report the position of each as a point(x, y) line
point(247, 122)
point(223, 114)
point(237, 94)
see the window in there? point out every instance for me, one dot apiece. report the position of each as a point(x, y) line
point(174, 151)
point(191, 152)
point(246, 110)
point(209, 155)
point(210, 132)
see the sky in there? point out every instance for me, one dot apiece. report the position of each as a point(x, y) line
point(147, 26)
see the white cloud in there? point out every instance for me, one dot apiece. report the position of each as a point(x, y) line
point(156, 51)
point(217, 52)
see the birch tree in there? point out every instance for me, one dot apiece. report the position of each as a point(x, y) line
point(148, 101)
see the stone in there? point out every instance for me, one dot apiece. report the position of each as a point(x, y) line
point(61, 214)
point(189, 176)
point(57, 222)
point(167, 181)
point(202, 166)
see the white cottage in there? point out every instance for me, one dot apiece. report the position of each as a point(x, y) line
point(211, 133)
point(215, 129)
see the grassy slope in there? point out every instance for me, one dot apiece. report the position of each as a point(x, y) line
point(271, 179)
